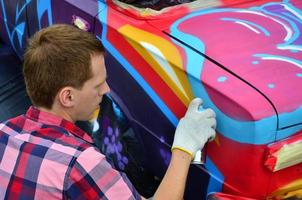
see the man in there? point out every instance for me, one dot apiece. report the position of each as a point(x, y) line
point(43, 155)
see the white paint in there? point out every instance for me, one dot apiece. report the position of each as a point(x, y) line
point(248, 26)
point(160, 59)
point(288, 29)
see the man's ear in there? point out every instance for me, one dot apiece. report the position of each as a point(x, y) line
point(66, 96)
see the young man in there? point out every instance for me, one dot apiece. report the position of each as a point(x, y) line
point(43, 155)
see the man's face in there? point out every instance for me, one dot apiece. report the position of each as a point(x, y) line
point(88, 98)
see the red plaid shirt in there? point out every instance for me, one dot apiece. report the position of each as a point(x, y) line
point(43, 156)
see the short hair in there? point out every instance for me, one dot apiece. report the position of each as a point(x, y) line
point(58, 56)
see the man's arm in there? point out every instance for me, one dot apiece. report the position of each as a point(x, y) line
point(92, 177)
point(192, 132)
point(173, 184)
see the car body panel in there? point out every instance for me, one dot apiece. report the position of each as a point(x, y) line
point(13, 24)
point(266, 50)
point(158, 61)
point(257, 123)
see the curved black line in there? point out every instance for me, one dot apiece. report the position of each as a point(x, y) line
point(229, 71)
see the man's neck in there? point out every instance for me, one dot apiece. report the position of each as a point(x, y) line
point(59, 112)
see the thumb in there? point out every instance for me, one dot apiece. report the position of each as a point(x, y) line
point(193, 106)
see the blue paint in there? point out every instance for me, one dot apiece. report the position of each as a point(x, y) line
point(262, 29)
point(222, 79)
point(20, 32)
point(279, 58)
point(299, 75)
point(293, 8)
point(201, 108)
point(293, 17)
point(294, 117)
point(216, 177)
point(271, 85)
point(295, 28)
point(19, 29)
point(117, 111)
point(102, 16)
point(255, 132)
point(19, 12)
point(255, 62)
point(42, 7)
point(252, 132)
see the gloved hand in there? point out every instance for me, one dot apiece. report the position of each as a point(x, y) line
point(195, 128)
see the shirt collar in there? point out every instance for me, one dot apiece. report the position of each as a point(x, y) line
point(51, 119)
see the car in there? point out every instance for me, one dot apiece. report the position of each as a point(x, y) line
point(242, 57)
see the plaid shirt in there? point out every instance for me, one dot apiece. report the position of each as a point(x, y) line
point(43, 156)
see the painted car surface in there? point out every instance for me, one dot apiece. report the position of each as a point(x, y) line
point(244, 58)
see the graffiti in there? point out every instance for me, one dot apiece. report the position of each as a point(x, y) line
point(15, 24)
point(243, 59)
point(243, 54)
point(18, 27)
point(44, 6)
point(112, 146)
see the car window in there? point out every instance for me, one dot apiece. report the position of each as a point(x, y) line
point(155, 9)
point(155, 4)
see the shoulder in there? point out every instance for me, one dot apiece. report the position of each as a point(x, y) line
point(14, 124)
point(92, 170)
point(91, 158)
point(93, 163)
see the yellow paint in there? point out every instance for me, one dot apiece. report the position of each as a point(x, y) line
point(289, 155)
point(94, 115)
point(293, 189)
point(80, 24)
point(137, 37)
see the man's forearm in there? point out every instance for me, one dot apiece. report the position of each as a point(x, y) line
point(192, 132)
point(173, 184)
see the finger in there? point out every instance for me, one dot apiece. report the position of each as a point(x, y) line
point(208, 113)
point(212, 123)
point(193, 106)
point(212, 135)
point(215, 124)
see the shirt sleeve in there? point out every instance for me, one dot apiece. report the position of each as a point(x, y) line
point(92, 177)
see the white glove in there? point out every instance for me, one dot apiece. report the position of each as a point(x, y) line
point(195, 128)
